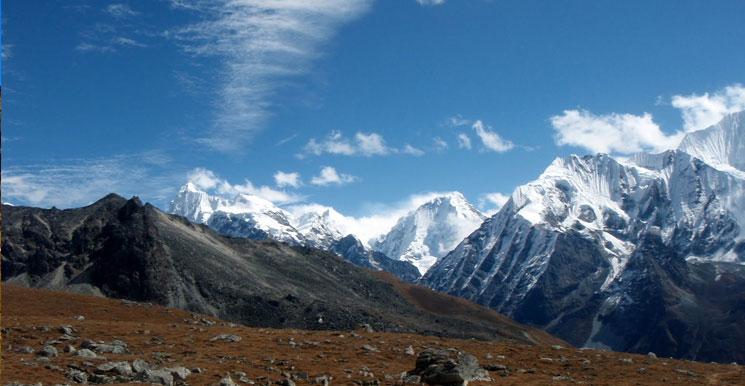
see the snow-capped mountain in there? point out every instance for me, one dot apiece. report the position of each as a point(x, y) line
point(430, 231)
point(721, 146)
point(622, 254)
point(320, 225)
point(310, 225)
point(244, 215)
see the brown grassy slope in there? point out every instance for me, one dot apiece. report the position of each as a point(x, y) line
point(184, 340)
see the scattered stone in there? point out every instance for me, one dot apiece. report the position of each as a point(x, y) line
point(100, 378)
point(287, 382)
point(686, 372)
point(160, 377)
point(139, 366)
point(78, 376)
point(226, 338)
point(48, 351)
point(652, 355)
point(563, 378)
point(323, 380)
point(79, 318)
point(557, 347)
point(227, 381)
point(67, 330)
point(69, 349)
point(544, 359)
point(179, 372)
point(24, 350)
point(499, 369)
point(627, 360)
point(370, 348)
point(86, 353)
point(411, 379)
point(409, 351)
point(122, 368)
point(448, 367)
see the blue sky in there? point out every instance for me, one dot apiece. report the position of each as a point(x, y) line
point(360, 105)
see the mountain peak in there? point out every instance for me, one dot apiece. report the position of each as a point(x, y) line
point(721, 145)
point(430, 231)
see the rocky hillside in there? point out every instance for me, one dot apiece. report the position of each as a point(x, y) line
point(124, 249)
point(61, 338)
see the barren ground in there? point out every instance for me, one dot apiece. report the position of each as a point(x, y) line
point(170, 337)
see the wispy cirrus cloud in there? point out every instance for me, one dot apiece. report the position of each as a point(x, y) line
point(430, 2)
point(121, 11)
point(261, 44)
point(411, 150)
point(362, 144)
point(68, 183)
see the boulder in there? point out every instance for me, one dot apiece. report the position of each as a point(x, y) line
point(159, 377)
point(448, 368)
point(226, 338)
point(47, 351)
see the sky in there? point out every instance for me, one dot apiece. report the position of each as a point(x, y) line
point(366, 106)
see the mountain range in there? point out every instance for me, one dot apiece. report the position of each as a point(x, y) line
point(418, 238)
point(123, 248)
point(639, 254)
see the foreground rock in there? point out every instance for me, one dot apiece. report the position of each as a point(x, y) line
point(448, 368)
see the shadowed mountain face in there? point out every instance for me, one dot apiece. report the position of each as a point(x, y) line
point(124, 249)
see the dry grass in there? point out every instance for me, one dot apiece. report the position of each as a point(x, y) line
point(267, 353)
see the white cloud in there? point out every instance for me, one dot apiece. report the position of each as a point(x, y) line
point(491, 203)
point(124, 41)
point(364, 144)
point(7, 51)
point(702, 111)
point(66, 183)
point(612, 133)
point(90, 47)
point(458, 121)
point(120, 11)
point(464, 141)
point(284, 180)
point(439, 144)
point(430, 2)
point(208, 181)
point(411, 150)
point(262, 44)
point(371, 144)
point(329, 176)
point(490, 139)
